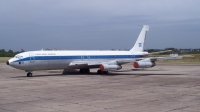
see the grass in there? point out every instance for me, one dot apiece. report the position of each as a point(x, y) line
point(4, 59)
point(192, 60)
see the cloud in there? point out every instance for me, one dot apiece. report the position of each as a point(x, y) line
point(28, 22)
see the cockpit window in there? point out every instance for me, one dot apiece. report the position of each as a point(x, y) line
point(18, 56)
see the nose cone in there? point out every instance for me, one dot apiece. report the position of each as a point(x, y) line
point(7, 62)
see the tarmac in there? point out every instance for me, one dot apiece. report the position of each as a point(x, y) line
point(163, 88)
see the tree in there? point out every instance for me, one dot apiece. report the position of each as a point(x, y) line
point(2, 51)
point(10, 51)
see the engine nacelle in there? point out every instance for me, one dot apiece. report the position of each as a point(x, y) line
point(106, 67)
point(141, 64)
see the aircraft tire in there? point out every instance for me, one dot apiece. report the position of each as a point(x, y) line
point(84, 71)
point(81, 71)
point(29, 74)
point(102, 72)
point(88, 70)
point(99, 72)
point(105, 72)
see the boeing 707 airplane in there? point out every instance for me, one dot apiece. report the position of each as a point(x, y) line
point(85, 60)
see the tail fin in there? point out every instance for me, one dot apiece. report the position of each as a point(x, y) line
point(139, 44)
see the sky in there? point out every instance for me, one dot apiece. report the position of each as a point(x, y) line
point(98, 24)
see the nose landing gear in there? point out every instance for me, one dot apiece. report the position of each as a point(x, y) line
point(29, 74)
point(7, 62)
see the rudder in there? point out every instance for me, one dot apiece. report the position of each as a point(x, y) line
point(139, 44)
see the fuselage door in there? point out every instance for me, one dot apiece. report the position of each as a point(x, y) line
point(85, 57)
point(82, 57)
point(32, 58)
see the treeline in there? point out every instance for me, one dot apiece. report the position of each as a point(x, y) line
point(9, 53)
point(176, 51)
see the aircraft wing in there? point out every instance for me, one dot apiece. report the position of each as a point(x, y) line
point(159, 52)
point(166, 58)
point(171, 57)
point(96, 64)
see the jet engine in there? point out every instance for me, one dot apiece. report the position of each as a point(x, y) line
point(146, 63)
point(107, 67)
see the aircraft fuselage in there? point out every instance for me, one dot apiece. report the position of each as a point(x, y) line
point(49, 60)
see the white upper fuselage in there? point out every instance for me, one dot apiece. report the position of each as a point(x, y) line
point(47, 60)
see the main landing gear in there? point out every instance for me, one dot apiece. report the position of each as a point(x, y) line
point(87, 70)
point(29, 74)
point(102, 72)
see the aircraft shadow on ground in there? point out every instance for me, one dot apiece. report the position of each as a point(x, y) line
point(113, 73)
point(138, 70)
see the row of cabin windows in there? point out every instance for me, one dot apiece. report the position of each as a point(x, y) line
point(82, 57)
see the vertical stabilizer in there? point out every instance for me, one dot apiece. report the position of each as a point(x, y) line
point(139, 44)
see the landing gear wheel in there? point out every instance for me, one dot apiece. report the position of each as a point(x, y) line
point(99, 71)
point(88, 71)
point(102, 72)
point(84, 70)
point(29, 74)
point(81, 70)
point(105, 72)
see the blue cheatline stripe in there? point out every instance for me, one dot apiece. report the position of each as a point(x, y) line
point(78, 57)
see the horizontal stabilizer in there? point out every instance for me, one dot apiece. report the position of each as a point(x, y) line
point(159, 52)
